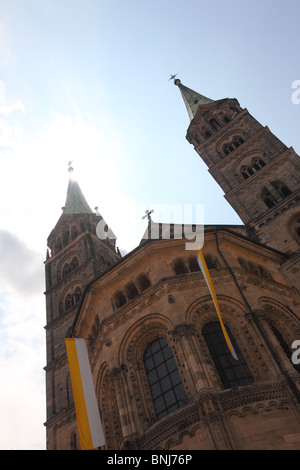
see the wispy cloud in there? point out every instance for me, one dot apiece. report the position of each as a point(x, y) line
point(7, 107)
point(22, 357)
point(11, 131)
point(21, 268)
point(22, 346)
point(33, 184)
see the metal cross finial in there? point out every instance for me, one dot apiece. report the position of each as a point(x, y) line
point(148, 215)
point(173, 76)
point(69, 164)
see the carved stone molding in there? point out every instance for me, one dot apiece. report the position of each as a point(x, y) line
point(183, 329)
point(117, 371)
point(211, 407)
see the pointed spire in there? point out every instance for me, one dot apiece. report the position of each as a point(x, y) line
point(75, 202)
point(191, 98)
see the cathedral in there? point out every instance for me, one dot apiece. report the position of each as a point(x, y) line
point(163, 375)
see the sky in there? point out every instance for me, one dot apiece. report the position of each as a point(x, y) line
point(88, 81)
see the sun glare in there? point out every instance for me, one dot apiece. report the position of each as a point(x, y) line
point(71, 172)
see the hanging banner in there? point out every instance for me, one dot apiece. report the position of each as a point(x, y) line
point(206, 275)
point(87, 411)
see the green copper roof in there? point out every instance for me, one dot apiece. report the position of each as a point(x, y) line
point(191, 98)
point(75, 202)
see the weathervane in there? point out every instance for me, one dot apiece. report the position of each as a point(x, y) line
point(70, 168)
point(173, 76)
point(148, 215)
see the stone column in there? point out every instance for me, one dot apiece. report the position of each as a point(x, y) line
point(116, 375)
point(184, 332)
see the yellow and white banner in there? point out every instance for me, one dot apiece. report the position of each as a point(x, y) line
point(86, 406)
point(206, 275)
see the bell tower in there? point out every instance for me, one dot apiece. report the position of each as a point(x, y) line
point(75, 257)
point(259, 175)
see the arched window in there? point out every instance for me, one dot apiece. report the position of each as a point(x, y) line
point(180, 267)
point(237, 141)
point(211, 262)
point(73, 299)
point(120, 299)
point(143, 282)
point(244, 172)
point(281, 189)
point(74, 263)
point(243, 263)
point(252, 267)
point(227, 148)
point(163, 376)
point(65, 236)
point(193, 264)
point(66, 269)
point(74, 232)
point(256, 165)
point(69, 302)
point(214, 123)
point(232, 372)
point(77, 295)
point(263, 272)
point(234, 144)
point(131, 291)
point(268, 199)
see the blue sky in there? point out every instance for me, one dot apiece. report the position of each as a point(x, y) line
point(88, 81)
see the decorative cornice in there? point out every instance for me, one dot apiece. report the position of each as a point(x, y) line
point(62, 417)
point(209, 406)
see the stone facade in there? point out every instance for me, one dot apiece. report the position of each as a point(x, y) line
point(176, 307)
point(154, 303)
point(77, 257)
point(259, 175)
